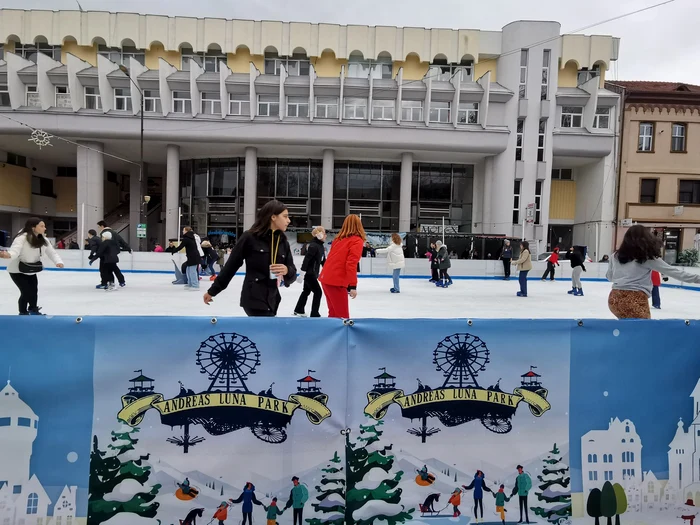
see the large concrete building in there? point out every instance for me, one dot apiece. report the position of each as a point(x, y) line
point(496, 132)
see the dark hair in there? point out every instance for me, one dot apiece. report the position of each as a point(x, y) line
point(525, 245)
point(639, 244)
point(264, 216)
point(518, 467)
point(92, 232)
point(102, 223)
point(35, 241)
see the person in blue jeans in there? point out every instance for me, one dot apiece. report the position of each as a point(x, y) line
point(395, 260)
point(524, 265)
point(193, 259)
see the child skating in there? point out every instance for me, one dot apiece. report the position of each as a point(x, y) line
point(272, 512)
point(221, 513)
point(456, 500)
point(501, 500)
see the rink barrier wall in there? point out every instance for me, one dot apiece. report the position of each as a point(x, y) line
point(125, 397)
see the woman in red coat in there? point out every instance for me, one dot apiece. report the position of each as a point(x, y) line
point(339, 274)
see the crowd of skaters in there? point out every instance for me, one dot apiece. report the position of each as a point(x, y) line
point(635, 269)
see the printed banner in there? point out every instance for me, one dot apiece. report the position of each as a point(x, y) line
point(170, 421)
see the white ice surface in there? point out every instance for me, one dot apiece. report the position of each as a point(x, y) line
point(74, 293)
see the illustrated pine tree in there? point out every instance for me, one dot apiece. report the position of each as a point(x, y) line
point(368, 500)
point(222, 490)
point(331, 494)
point(109, 468)
point(554, 496)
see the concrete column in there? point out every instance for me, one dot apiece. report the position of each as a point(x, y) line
point(172, 193)
point(250, 196)
point(405, 193)
point(327, 188)
point(18, 221)
point(137, 189)
point(90, 203)
point(486, 207)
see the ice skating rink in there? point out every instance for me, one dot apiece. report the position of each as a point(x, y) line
point(73, 293)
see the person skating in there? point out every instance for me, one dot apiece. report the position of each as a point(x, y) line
point(122, 246)
point(479, 486)
point(444, 264)
point(395, 260)
point(523, 484)
point(524, 265)
point(248, 498)
point(25, 262)
point(506, 257)
point(189, 243)
point(298, 497)
point(93, 242)
point(339, 275)
point(575, 256)
point(210, 257)
point(501, 500)
point(434, 270)
point(314, 259)
point(272, 512)
point(268, 261)
point(552, 260)
point(456, 500)
point(655, 290)
point(630, 272)
point(108, 254)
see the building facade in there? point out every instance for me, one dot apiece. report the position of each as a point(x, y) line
point(684, 455)
point(660, 163)
point(505, 132)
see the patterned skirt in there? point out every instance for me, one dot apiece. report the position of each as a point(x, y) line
point(629, 304)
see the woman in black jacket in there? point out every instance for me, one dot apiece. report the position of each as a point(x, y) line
point(189, 243)
point(313, 260)
point(268, 258)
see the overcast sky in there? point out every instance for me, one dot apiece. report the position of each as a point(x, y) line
point(660, 44)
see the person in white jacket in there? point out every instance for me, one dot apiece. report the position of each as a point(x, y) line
point(395, 259)
point(25, 256)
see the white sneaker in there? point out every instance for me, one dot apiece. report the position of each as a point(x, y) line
point(299, 315)
point(111, 287)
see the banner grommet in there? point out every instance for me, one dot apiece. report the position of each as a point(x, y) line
point(687, 322)
point(470, 322)
point(580, 322)
point(78, 320)
point(214, 320)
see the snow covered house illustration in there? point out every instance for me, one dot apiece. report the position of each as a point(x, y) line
point(684, 456)
point(653, 492)
point(613, 455)
point(23, 500)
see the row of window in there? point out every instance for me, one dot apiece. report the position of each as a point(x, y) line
point(646, 137)
point(544, 88)
point(688, 191)
point(21, 422)
point(541, 136)
point(593, 475)
point(572, 117)
point(607, 458)
point(517, 188)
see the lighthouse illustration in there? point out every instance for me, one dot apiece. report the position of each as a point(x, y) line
point(23, 500)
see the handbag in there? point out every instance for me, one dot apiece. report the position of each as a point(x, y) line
point(31, 267)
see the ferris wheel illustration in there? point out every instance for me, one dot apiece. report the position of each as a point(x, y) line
point(460, 358)
point(228, 359)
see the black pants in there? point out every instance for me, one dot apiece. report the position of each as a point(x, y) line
point(523, 506)
point(108, 271)
point(434, 275)
point(298, 514)
point(549, 271)
point(478, 504)
point(254, 312)
point(115, 271)
point(506, 267)
point(249, 516)
point(445, 276)
point(28, 290)
point(310, 286)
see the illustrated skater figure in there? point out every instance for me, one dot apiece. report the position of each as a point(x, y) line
point(272, 512)
point(192, 516)
point(444, 264)
point(248, 498)
point(506, 257)
point(501, 500)
point(298, 496)
point(456, 500)
point(523, 484)
point(552, 260)
point(121, 245)
point(479, 486)
point(221, 513)
point(576, 257)
point(108, 254)
point(428, 504)
point(314, 260)
point(524, 265)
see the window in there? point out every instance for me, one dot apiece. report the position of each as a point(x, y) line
point(538, 205)
point(92, 98)
point(2, 57)
point(5, 421)
point(605, 458)
point(354, 108)
point(151, 101)
point(677, 138)
point(239, 104)
point(122, 55)
point(29, 51)
point(522, 90)
point(208, 61)
point(441, 71)
point(585, 74)
point(546, 54)
point(268, 105)
point(327, 107)
point(17, 489)
point(32, 503)
point(4, 95)
point(298, 107)
point(650, 487)
point(24, 422)
point(122, 99)
point(540, 140)
point(468, 113)
point(181, 102)
point(360, 67)
point(296, 65)
point(647, 191)
point(608, 475)
point(590, 458)
point(563, 174)
point(211, 104)
point(592, 475)
point(516, 220)
point(383, 109)
point(63, 97)
point(602, 118)
point(689, 192)
point(571, 116)
point(17, 160)
point(32, 98)
point(412, 110)
point(519, 139)
point(440, 112)
point(646, 136)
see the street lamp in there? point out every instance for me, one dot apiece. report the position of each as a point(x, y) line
point(142, 213)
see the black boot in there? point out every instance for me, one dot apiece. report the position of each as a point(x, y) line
point(35, 311)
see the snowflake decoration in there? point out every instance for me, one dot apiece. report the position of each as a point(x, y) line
point(40, 138)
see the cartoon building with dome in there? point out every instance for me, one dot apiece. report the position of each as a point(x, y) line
point(23, 500)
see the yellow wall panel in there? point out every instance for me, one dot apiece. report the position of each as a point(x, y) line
point(327, 65)
point(66, 189)
point(562, 202)
point(413, 68)
point(240, 61)
point(481, 68)
point(568, 77)
point(156, 52)
point(87, 53)
point(15, 186)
